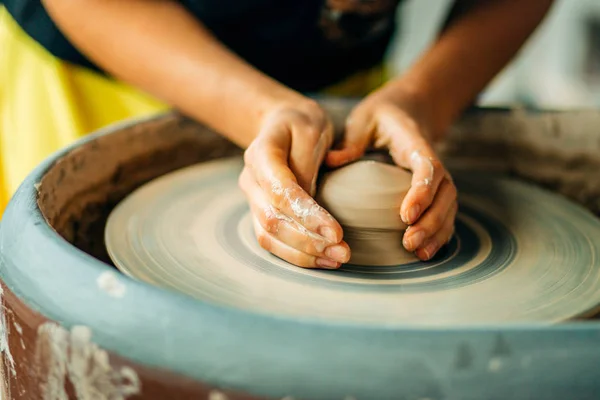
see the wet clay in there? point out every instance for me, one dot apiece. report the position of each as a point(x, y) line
point(365, 198)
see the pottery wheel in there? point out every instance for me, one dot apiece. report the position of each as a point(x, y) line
point(520, 254)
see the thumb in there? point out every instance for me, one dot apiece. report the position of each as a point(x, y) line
point(356, 138)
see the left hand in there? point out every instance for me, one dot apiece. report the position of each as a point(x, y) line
point(398, 121)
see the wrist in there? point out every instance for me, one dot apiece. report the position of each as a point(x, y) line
point(241, 116)
point(436, 111)
point(416, 101)
point(293, 101)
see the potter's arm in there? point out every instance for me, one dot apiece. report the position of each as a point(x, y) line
point(158, 46)
point(481, 38)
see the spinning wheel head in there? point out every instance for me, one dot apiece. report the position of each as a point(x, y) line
point(519, 254)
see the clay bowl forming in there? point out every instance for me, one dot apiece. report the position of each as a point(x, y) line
point(67, 335)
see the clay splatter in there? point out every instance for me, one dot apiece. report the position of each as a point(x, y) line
point(109, 282)
point(216, 395)
point(495, 364)
point(9, 362)
point(61, 354)
point(417, 158)
point(18, 328)
point(4, 332)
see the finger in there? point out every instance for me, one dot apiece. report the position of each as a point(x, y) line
point(441, 237)
point(287, 230)
point(289, 254)
point(308, 148)
point(433, 219)
point(276, 180)
point(427, 175)
point(357, 135)
point(409, 149)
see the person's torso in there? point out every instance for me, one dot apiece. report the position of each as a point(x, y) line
point(306, 44)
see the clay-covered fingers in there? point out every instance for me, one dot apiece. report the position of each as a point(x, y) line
point(305, 135)
point(410, 149)
point(288, 253)
point(268, 166)
point(427, 176)
point(435, 227)
point(281, 234)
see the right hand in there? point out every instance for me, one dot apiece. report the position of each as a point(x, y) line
point(279, 181)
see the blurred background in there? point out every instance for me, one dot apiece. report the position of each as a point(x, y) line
point(559, 67)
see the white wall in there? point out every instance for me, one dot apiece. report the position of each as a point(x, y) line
point(547, 73)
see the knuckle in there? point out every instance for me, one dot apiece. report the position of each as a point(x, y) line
point(312, 107)
point(448, 192)
point(312, 133)
point(312, 247)
point(359, 117)
point(279, 201)
point(438, 220)
point(453, 191)
point(303, 261)
point(249, 154)
point(437, 165)
point(271, 222)
point(242, 181)
point(411, 125)
point(264, 241)
point(300, 119)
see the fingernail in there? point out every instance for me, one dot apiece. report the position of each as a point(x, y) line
point(430, 249)
point(328, 264)
point(337, 252)
point(328, 234)
point(413, 241)
point(413, 214)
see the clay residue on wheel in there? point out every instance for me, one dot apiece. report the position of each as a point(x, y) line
point(556, 150)
point(78, 192)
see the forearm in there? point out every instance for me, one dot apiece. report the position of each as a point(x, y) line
point(477, 45)
point(157, 46)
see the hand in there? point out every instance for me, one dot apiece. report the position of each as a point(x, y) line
point(398, 122)
point(279, 180)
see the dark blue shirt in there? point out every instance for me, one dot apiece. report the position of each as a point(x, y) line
point(305, 44)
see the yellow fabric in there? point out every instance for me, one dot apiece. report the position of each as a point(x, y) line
point(46, 104)
point(359, 84)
